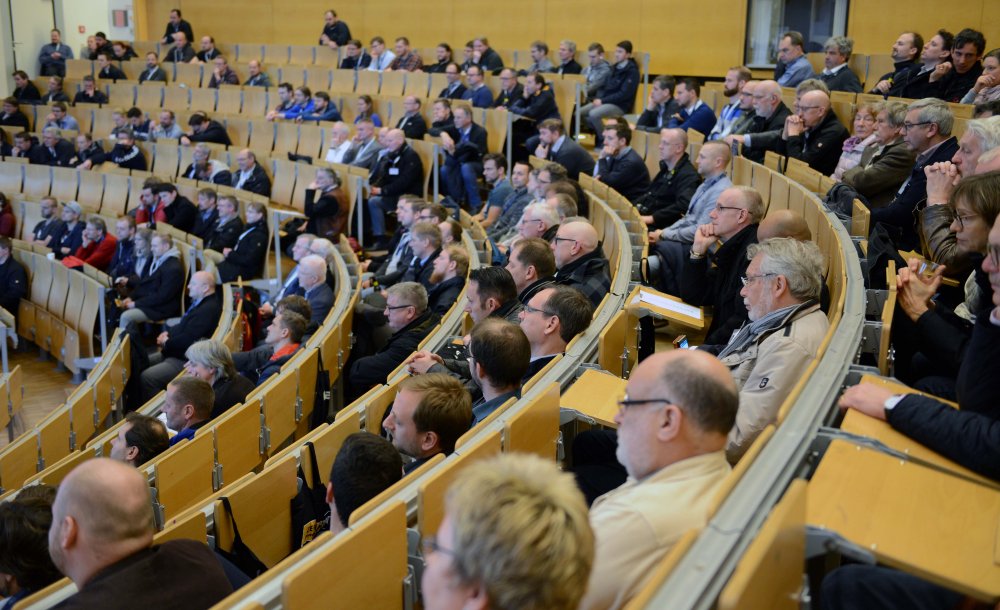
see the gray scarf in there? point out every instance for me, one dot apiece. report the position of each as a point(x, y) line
point(769, 323)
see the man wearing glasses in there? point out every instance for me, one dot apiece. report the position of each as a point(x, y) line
point(814, 134)
point(410, 320)
point(672, 426)
point(768, 123)
point(550, 320)
point(734, 223)
point(927, 132)
point(580, 263)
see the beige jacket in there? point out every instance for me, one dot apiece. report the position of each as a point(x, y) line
point(636, 525)
point(767, 371)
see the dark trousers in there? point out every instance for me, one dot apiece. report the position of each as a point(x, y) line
point(855, 587)
point(595, 465)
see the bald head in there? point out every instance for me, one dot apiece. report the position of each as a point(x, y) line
point(102, 514)
point(312, 271)
point(395, 139)
point(766, 98)
point(784, 223)
point(584, 233)
point(813, 107)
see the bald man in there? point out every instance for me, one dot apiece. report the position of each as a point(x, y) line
point(784, 223)
point(580, 263)
point(198, 322)
point(680, 406)
point(400, 172)
point(814, 134)
point(670, 193)
point(102, 539)
point(768, 123)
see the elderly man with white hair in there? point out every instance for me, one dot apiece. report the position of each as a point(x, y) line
point(312, 279)
point(340, 142)
point(206, 169)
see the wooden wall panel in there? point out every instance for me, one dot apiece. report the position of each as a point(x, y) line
point(678, 35)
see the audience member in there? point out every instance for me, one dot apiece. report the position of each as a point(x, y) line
point(443, 53)
point(429, 414)
point(181, 51)
point(355, 57)
point(494, 562)
point(53, 56)
point(400, 171)
point(552, 318)
point(12, 115)
point(464, 145)
point(222, 74)
point(340, 142)
point(863, 136)
point(89, 94)
point(49, 229)
point(765, 131)
point(792, 66)
point(927, 132)
point(155, 294)
point(954, 78)
point(57, 151)
point(381, 57)
point(617, 95)
point(813, 134)
point(140, 438)
point(447, 278)
point(336, 33)
point(540, 62)
point(580, 262)
point(167, 128)
point(55, 92)
point(672, 426)
point(249, 175)
point(987, 86)
point(198, 322)
point(365, 466)
point(887, 162)
point(13, 278)
point(510, 89)
point(669, 194)
point(204, 129)
point(476, 91)
point(618, 165)
point(692, 112)
point(25, 91)
point(88, 153)
point(495, 176)
point(499, 354)
point(98, 247)
point(734, 116)
point(567, 59)
point(25, 564)
point(107, 70)
point(836, 74)
point(126, 153)
point(225, 231)
point(532, 265)
point(555, 146)
point(72, 237)
point(211, 361)
point(176, 24)
point(60, 119)
point(256, 75)
point(246, 259)
point(365, 147)
point(735, 224)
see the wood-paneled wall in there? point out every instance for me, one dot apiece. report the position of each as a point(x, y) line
point(651, 25)
point(702, 39)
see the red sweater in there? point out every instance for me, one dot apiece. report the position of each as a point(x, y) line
point(99, 254)
point(7, 223)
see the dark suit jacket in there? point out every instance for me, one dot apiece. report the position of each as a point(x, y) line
point(471, 151)
point(203, 227)
point(327, 215)
point(188, 569)
point(258, 182)
point(656, 119)
point(225, 236)
point(123, 262)
point(820, 147)
point(248, 256)
point(181, 214)
point(844, 80)
point(720, 286)
point(157, 294)
point(199, 322)
point(113, 72)
point(214, 132)
point(442, 295)
point(535, 366)
point(229, 393)
point(506, 99)
point(539, 107)
point(320, 302)
point(766, 133)
point(899, 213)
point(455, 94)
point(414, 127)
point(420, 272)
point(158, 74)
point(574, 158)
point(63, 157)
point(570, 67)
point(401, 172)
point(367, 372)
point(628, 174)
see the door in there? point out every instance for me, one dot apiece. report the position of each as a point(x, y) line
point(30, 21)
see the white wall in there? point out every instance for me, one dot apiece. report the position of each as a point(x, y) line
point(93, 16)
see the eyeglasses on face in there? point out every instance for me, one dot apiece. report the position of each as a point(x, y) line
point(530, 309)
point(626, 403)
point(750, 279)
point(429, 544)
point(909, 126)
point(392, 307)
point(558, 239)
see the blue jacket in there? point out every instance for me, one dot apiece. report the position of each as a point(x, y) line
point(703, 119)
point(621, 86)
point(480, 98)
point(330, 114)
point(296, 110)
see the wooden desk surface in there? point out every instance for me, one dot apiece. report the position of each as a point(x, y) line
point(595, 394)
point(927, 523)
point(862, 425)
point(634, 303)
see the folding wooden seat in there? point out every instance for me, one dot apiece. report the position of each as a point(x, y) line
point(394, 83)
point(54, 437)
point(318, 78)
point(433, 485)
point(116, 194)
point(19, 461)
point(294, 75)
point(301, 55)
point(11, 177)
point(229, 100)
point(535, 427)
point(286, 138)
point(283, 180)
point(165, 160)
point(150, 98)
point(367, 82)
point(203, 100)
point(78, 68)
point(189, 75)
point(184, 474)
point(121, 95)
point(261, 137)
point(342, 82)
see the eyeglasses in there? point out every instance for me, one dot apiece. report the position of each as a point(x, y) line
point(805, 108)
point(722, 208)
point(530, 309)
point(961, 219)
point(749, 279)
point(625, 402)
point(994, 255)
point(527, 220)
point(391, 307)
point(908, 126)
point(429, 544)
point(558, 239)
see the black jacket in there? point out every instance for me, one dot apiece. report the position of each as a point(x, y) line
point(900, 213)
point(229, 393)
point(408, 177)
point(953, 86)
point(621, 86)
point(13, 285)
point(16, 119)
point(128, 157)
point(248, 256)
point(844, 80)
point(328, 214)
point(443, 295)
point(657, 119)
point(453, 94)
point(589, 274)
point(415, 127)
point(182, 26)
point(471, 151)
point(258, 182)
point(895, 77)
point(123, 262)
point(53, 228)
point(93, 153)
point(574, 158)
point(70, 238)
point(570, 67)
point(420, 272)
point(61, 156)
point(214, 132)
point(199, 322)
point(205, 225)
point(535, 366)
point(626, 174)
point(505, 99)
point(224, 236)
point(669, 195)
point(112, 72)
point(158, 294)
point(720, 286)
point(765, 134)
point(370, 371)
point(98, 97)
point(181, 214)
point(28, 94)
point(820, 147)
point(914, 84)
point(540, 106)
